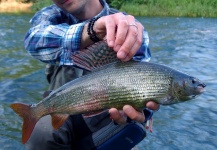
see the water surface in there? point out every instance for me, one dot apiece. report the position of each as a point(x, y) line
point(187, 44)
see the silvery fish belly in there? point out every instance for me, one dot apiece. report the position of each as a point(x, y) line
point(110, 83)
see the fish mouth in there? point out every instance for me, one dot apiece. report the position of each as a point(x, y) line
point(200, 87)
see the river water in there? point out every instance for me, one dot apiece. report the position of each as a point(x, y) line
point(186, 44)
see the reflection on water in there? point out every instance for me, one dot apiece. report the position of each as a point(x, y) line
point(187, 44)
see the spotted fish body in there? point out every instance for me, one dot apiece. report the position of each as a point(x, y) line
point(111, 83)
point(114, 85)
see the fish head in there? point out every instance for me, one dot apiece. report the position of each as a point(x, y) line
point(186, 88)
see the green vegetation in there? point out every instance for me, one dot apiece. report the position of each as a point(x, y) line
point(191, 8)
point(38, 4)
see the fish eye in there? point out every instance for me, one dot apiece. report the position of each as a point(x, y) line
point(193, 81)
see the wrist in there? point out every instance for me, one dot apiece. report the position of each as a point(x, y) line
point(85, 40)
point(91, 32)
point(94, 35)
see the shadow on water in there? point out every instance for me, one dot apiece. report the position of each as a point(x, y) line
point(187, 44)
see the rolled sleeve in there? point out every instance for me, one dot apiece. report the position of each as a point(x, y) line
point(71, 43)
point(144, 53)
point(51, 39)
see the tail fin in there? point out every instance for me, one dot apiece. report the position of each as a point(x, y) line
point(29, 119)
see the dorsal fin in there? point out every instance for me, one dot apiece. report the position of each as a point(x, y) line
point(94, 56)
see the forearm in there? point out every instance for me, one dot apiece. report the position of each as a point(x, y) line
point(54, 43)
point(52, 39)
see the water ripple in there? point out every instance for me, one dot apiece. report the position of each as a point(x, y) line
point(186, 44)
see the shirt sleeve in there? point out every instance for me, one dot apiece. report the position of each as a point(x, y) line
point(51, 39)
point(144, 53)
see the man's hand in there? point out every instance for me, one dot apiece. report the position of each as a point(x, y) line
point(122, 33)
point(128, 111)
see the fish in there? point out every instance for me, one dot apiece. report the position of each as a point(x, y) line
point(110, 83)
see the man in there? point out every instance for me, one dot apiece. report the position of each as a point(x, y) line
point(66, 27)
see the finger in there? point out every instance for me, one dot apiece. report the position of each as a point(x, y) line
point(137, 43)
point(115, 29)
point(122, 29)
point(110, 27)
point(133, 114)
point(107, 26)
point(152, 105)
point(117, 116)
point(131, 38)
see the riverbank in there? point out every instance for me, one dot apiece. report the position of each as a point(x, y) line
point(12, 6)
point(187, 8)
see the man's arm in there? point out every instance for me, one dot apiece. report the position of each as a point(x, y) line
point(52, 39)
point(54, 43)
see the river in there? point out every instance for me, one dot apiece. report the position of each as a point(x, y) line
point(186, 44)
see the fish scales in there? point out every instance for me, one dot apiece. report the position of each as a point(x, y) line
point(111, 87)
point(111, 83)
